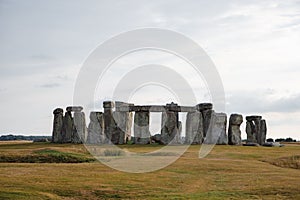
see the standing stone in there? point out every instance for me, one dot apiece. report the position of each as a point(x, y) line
point(57, 125)
point(67, 128)
point(216, 132)
point(80, 132)
point(141, 127)
point(170, 132)
point(194, 128)
point(96, 129)
point(251, 135)
point(221, 126)
point(263, 130)
point(110, 128)
point(206, 110)
point(256, 129)
point(123, 121)
point(234, 132)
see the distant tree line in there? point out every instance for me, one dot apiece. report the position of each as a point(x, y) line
point(22, 137)
point(281, 140)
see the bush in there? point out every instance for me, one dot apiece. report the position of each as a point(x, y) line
point(270, 140)
point(112, 152)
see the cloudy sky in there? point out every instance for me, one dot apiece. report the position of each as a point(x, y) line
point(254, 45)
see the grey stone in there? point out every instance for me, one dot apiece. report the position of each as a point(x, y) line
point(234, 132)
point(157, 138)
point(67, 128)
point(141, 127)
point(110, 127)
point(256, 129)
point(251, 144)
point(57, 125)
point(79, 134)
point(263, 131)
point(216, 132)
point(74, 108)
point(253, 117)
point(170, 131)
point(221, 125)
point(204, 106)
point(207, 115)
point(251, 133)
point(194, 128)
point(96, 129)
point(124, 123)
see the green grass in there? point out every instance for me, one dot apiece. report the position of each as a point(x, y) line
point(46, 156)
point(228, 172)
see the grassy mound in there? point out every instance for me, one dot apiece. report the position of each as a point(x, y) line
point(47, 156)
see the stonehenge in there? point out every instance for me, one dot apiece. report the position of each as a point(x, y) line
point(96, 128)
point(69, 128)
point(117, 121)
point(256, 129)
point(234, 132)
point(57, 125)
point(194, 128)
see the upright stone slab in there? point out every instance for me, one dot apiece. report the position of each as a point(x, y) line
point(170, 132)
point(110, 127)
point(263, 130)
point(221, 126)
point(216, 132)
point(234, 132)
point(67, 128)
point(123, 121)
point(250, 131)
point(80, 135)
point(96, 129)
point(194, 128)
point(256, 129)
point(57, 125)
point(206, 110)
point(141, 127)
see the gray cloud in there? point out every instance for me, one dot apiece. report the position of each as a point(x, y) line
point(43, 44)
point(262, 101)
point(50, 85)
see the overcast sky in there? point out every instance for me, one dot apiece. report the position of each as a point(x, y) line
point(254, 45)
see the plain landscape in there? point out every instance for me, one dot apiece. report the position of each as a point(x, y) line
point(67, 171)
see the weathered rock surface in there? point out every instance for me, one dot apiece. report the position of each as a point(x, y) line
point(194, 128)
point(141, 127)
point(206, 110)
point(256, 129)
point(67, 128)
point(157, 138)
point(74, 108)
point(123, 120)
point(170, 131)
point(57, 125)
point(234, 132)
point(79, 134)
point(96, 129)
point(216, 131)
point(221, 125)
point(110, 127)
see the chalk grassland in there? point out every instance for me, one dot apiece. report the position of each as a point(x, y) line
point(229, 172)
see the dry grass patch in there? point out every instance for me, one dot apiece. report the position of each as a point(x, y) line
point(286, 162)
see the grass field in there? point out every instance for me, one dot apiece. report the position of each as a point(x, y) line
point(66, 171)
